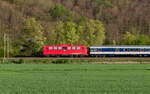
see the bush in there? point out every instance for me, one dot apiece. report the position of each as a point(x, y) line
point(61, 61)
point(20, 61)
point(41, 61)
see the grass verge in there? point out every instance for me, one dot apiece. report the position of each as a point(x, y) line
point(76, 61)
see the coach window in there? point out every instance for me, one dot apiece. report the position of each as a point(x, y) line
point(99, 49)
point(146, 49)
point(92, 49)
point(137, 49)
point(126, 49)
point(142, 49)
point(131, 49)
point(117, 49)
point(51, 48)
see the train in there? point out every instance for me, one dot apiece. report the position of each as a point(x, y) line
point(95, 51)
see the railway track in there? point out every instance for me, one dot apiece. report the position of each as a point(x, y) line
point(80, 58)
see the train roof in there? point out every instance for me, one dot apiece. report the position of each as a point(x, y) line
point(122, 46)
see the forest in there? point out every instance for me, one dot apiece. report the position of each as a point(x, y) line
point(27, 25)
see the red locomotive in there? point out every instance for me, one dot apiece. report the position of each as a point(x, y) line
point(64, 50)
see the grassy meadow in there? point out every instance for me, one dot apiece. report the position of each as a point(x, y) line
point(74, 79)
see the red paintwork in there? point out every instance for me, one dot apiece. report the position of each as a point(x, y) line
point(49, 50)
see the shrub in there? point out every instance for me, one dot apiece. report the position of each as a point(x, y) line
point(41, 61)
point(61, 61)
point(20, 61)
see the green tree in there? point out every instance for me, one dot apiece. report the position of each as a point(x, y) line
point(142, 40)
point(89, 33)
point(61, 13)
point(106, 3)
point(94, 32)
point(71, 33)
point(60, 33)
point(81, 34)
point(114, 42)
point(99, 33)
point(66, 33)
point(129, 39)
point(135, 38)
point(32, 37)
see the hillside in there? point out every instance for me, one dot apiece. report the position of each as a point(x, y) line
point(29, 24)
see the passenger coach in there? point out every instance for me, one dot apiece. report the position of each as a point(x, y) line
point(120, 50)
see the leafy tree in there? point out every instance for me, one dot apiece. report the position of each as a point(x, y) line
point(129, 39)
point(71, 33)
point(90, 33)
point(66, 33)
point(32, 37)
point(142, 40)
point(61, 13)
point(106, 3)
point(99, 33)
point(114, 42)
point(81, 33)
point(60, 33)
point(50, 35)
point(135, 38)
point(94, 33)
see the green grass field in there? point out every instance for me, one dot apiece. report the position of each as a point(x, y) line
point(75, 79)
